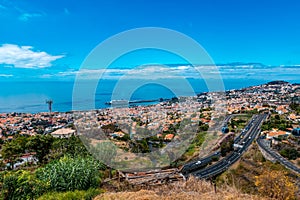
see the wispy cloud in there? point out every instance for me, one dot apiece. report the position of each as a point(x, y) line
point(142, 72)
point(66, 11)
point(26, 16)
point(24, 57)
point(91, 73)
point(6, 75)
point(247, 71)
point(3, 7)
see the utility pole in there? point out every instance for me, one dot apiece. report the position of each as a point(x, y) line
point(213, 182)
point(50, 102)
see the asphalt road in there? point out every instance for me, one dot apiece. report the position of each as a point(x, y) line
point(262, 144)
point(246, 137)
point(198, 164)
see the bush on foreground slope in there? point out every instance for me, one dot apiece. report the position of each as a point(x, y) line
point(71, 195)
point(68, 174)
point(63, 175)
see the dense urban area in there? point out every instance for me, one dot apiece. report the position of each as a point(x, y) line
point(253, 135)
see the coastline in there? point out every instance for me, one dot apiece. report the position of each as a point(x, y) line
point(35, 103)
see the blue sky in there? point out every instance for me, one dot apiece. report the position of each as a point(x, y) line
point(45, 39)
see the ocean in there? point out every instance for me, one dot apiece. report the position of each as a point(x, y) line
point(30, 97)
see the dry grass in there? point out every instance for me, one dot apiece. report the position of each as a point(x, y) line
point(192, 189)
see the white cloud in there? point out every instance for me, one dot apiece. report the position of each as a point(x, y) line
point(200, 71)
point(25, 57)
point(6, 75)
point(183, 67)
point(143, 72)
point(84, 72)
point(26, 16)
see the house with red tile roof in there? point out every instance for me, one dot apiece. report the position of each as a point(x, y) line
point(169, 136)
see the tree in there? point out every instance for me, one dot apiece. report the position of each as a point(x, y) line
point(12, 150)
point(41, 145)
point(227, 146)
point(203, 127)
point(76, 147)
point(71, 146)
point(275, 184)
point(295, 106)
point(139, 146)
point(290, 153)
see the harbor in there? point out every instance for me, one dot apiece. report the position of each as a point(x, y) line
point(132, 102)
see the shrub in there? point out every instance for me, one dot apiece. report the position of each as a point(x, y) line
point(215, 158)
point(71, 195)
point(22, 185)
point(275, 184)
point(290, 153)
point(68, 174)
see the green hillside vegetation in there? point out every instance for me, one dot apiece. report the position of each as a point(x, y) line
point(276, 122)
point(72, 195)
point(65, 169)
point(253, 174)
point(295, 107)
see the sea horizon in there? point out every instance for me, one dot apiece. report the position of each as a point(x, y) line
point(31, 96)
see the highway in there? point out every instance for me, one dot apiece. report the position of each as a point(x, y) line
point(246, 137)
point(262, 144)
point(198, 164)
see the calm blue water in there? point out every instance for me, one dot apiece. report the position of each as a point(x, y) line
point(31, 96)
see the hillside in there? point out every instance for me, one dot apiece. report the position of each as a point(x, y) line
point(250, 178)
point(191, 189)
point(253, 174)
